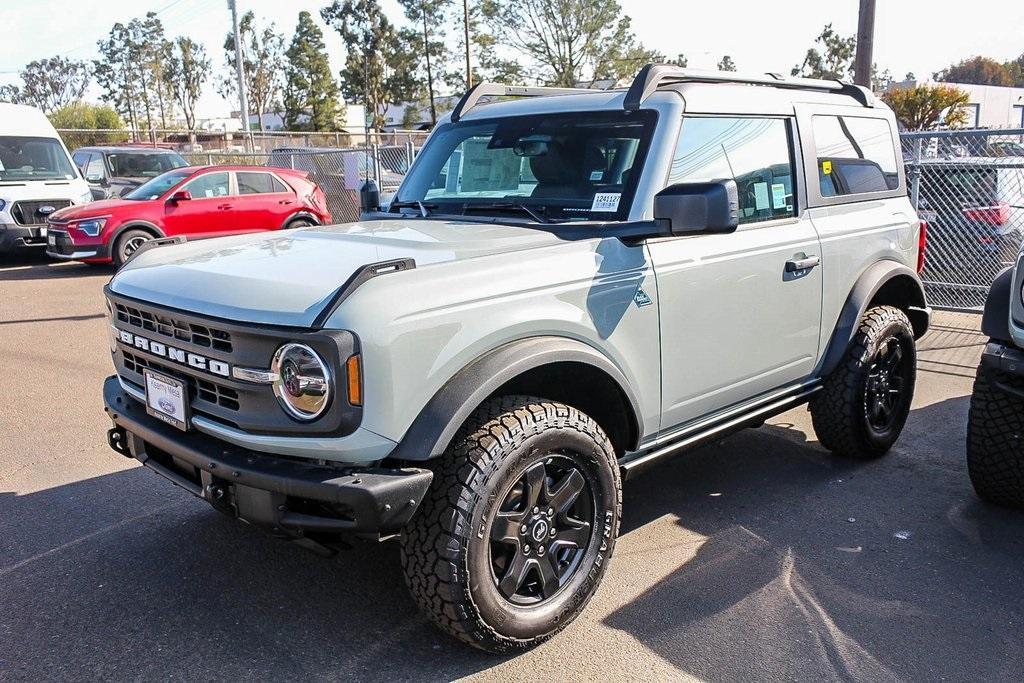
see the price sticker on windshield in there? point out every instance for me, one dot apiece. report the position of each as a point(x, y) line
point(606, 201)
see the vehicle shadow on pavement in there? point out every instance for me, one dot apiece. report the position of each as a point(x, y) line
point(810, 567)
point(124, 576)
point(36, 265)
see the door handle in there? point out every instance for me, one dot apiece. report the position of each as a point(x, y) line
point(223, 206)
point(805, 263)
point(286, 201)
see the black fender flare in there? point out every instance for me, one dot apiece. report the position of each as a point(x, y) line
point(133, 225)
point(299, 214)
point(863, 293)
point(443, 415)
point(995, 321)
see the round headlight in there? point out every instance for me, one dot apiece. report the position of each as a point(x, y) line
point(303, 383)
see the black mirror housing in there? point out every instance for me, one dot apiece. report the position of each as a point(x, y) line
point(369, 197)
point(698, 207)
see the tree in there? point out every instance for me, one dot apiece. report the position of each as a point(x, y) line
point(921, 107)
point(263, 63)
point(380, 63)
point(84, 117)
point(52, 83)
point(11, 93)
point(834, 60)
point(185, 71)
point(487, 65)
point(726, 64)
point(130, 70)
point(977, 70)
point(568, 41)
point(310, 90)
point(431, 16)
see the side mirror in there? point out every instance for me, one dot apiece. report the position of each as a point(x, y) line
point(369, 197)
point(180, 196)
point(94, 178)
point(698, 207)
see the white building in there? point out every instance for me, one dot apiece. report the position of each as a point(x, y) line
point(990, 106)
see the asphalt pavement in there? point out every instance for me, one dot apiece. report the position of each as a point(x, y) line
point(759, 557)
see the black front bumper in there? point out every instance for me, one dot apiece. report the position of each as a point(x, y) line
point(13, 237)
point(59, 245)
point(1007, 362)
point(288, 497)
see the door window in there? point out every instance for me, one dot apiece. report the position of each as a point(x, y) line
point(209, 185)
point(94, 169)
point(258, 183)
point(755, 152)
point(855, 155)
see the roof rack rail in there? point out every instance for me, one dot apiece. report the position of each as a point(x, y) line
point(486, 89)
point(653, 76)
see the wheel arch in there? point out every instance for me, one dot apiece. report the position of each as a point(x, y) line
point(555, 368)
point(886, 283)
point(303, 214)
point(995, 321)
point(151, 228)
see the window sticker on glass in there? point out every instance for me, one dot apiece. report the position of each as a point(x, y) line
point(595, 176)
point(826, 167)
point(606, 201)
point(778, 196)
point(489, 170)
point(760, 196)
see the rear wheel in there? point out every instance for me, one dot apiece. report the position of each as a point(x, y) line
point(861, 410)
point(995, 426)
point(518, 527)
point(127, 244)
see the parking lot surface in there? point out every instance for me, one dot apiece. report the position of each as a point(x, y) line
point(756, 557)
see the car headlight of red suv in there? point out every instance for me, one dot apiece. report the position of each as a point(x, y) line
point(91, 226)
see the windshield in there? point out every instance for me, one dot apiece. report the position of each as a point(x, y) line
point(152, 189)
point(128, 165)
point(579, 165)
point(33, 158)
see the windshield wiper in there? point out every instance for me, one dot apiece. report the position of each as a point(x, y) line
point(507, 206)
point(424, 208)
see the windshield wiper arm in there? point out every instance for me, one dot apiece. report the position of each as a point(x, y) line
point(424, 208)
point(505, 206)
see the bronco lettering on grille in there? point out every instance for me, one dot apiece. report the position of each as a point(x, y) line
point(193, 360)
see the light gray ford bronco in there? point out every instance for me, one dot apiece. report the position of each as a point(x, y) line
point(995, 452)
point(569, 285)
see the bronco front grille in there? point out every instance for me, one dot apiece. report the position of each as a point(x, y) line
point(204, 390)
point(200, 335)
point(27, 212)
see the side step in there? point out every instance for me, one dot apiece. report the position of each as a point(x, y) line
point(717, 426)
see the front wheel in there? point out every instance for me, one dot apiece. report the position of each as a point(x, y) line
point(995, 425)
point(127, 244)
point(861, 410)
point(520, 522)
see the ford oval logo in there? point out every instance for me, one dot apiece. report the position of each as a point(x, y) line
point(166, 405)
point(46, 210)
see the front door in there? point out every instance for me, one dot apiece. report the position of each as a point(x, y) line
point(739, 316)
point(209, 213)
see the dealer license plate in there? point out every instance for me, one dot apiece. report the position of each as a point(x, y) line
point(51, 240)
point(167, 399)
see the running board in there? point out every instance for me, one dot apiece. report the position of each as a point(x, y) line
point(718, 426)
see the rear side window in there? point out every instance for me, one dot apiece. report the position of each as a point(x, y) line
point(855, 155)
point(258, 183)
point(755, 152)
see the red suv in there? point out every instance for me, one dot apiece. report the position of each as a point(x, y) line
point(197, 202)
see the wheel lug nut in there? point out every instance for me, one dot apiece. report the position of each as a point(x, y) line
point(553, 533)
point(540, 550)
point(551, 511)
point(536, 510)
point(526, 549)
point(523, 528)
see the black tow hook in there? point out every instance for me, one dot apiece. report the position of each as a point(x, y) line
point(118, 440)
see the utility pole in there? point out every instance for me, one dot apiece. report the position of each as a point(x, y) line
point(465, 26)
point(243, 100)
point(430, 76)
point(865, 44)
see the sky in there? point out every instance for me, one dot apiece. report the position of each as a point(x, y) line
point(910, 35)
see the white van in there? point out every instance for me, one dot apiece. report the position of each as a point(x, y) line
point(37, 177)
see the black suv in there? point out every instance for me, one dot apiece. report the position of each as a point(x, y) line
point(112, 171)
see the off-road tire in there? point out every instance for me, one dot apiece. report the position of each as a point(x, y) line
point(443, 546)
point(838, 411)
point(995, 454)
point(117, 254)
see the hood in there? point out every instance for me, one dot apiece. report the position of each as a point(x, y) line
point(34, 190)
point(74, 213)
point(286, 278)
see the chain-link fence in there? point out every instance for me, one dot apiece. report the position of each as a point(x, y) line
point(969, 186)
